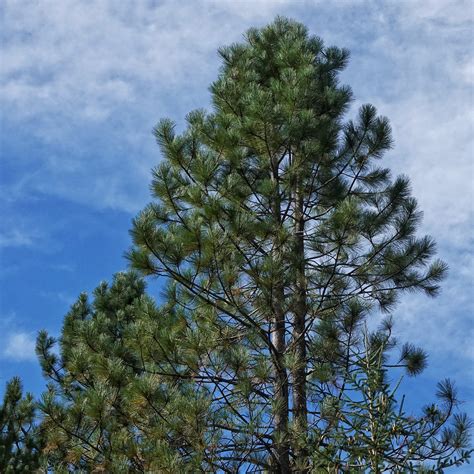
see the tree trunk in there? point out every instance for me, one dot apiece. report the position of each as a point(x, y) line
point(281, 414)
point(299, 324)
point(281, 393)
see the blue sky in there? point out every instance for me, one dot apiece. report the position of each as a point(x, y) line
point(83, 83)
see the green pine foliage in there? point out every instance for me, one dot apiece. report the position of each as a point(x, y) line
point(20, 437)
point(363, 425)
point(280, 233)
point(116, 399)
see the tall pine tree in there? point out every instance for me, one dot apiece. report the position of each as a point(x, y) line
point(280, 234)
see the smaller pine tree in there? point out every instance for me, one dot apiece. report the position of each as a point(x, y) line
point(20, 438)
point(117, 400)
point(364, 425)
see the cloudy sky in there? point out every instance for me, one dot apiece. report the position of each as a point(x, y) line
point(83, 82)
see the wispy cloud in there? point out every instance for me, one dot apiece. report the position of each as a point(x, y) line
point(20, 347)
point(86, 59)
point(20, 231)
point(87, 80)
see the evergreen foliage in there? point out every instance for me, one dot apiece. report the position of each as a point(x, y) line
point(363, 427)
point(280, 233)
point(111, 405)
point(124, 397)
point(20, 438)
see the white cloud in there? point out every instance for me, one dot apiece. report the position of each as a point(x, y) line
point(434, 147)
point(18, 230)
point(20, 346)
point(85, 59)
point(450, 13)
point(64, 267)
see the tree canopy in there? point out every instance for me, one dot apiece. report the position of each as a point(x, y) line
point(114, 402)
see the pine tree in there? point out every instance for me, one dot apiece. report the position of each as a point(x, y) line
point(20, 438)
point(362, 426)
point(111, 405)
point(280, 233)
